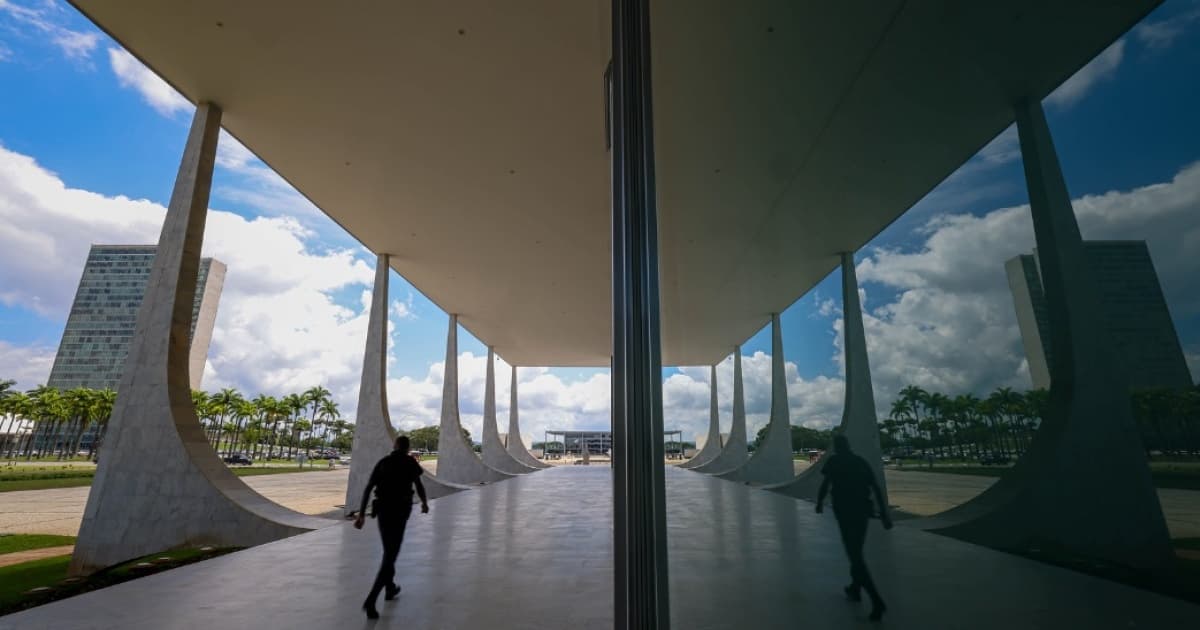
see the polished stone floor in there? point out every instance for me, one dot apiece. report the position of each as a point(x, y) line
point(535, 552)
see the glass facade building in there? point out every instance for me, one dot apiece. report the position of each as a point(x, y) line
point(104, 316)
point(1135, 315)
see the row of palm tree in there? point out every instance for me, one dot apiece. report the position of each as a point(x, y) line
point(47, 422)
point(266, 426)
point(1001, 426)
point(49, 415)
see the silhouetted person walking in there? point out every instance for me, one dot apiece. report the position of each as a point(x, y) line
point(392, 480)
point(853, 482)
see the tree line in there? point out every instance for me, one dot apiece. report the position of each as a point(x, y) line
point(48, 422)
point(48, 414)
point(1001, 426)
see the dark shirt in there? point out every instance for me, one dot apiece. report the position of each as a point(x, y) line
point(393, 479)
point(852, 479)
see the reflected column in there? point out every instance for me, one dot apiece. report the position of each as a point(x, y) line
point(1084, 483)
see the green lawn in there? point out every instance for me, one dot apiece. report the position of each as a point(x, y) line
point(16, 580)
point(252, 471)
point(42, 478)
point(1186, 543)
point(44, 484)
point(1173, 475)
point(24, 542)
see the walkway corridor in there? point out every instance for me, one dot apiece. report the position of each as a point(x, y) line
point(535, 552)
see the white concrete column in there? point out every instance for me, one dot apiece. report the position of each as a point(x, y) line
point(733, 452)
point(712, 444)
point(1084, 483)
point(159, 483)
point(457, 461)
point(859, 422)
point(373, 433)
point(494, 453)
point(516, 445)
point(771, 463)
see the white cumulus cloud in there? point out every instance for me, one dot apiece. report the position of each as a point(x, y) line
point(1101, 68)
point(279, 328)
point(156, 92)
point(952, 326)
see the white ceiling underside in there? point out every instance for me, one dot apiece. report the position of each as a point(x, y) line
point(466, 138)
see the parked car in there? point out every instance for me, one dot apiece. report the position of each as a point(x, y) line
point(238, 460)
point(993, 460)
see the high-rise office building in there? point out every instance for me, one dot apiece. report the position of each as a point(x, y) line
point(104, 315)
point(1135, 312)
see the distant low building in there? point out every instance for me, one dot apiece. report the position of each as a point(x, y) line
point(1135, 312)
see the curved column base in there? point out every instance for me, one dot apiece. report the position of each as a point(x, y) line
point(373, 440)
point(436, 487)
point(765, 467)
point(160, 484)
point(771, 463)
point(703, 457)
point(732, 457)
point(523, 456)
point(459, 464)
point(1069, 491)
point(497, 457)
point(146, 499)
point(803, 486)
point(527, 459)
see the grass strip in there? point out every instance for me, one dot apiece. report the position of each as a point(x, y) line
point(1164, 478)
point(44, 484)
point(49, 576)
point(76, 479)
point(10, 543)
point(17, 579)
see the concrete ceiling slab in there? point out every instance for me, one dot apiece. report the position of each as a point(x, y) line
point(466, 138)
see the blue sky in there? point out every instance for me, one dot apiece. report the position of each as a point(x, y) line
point(77, 112)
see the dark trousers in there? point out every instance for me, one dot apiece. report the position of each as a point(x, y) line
point(391, 529)
point(853, 525)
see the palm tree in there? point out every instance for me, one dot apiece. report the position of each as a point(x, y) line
point(314, 398)
point(103, 404)
point(900, 416)
point(78, 402)
point(328, 413)
point(243, 412)
point(7, 409)
point(969, 406)
point(225, 402)
point(264, 413)
point(1005, 404)
point(48, 413)
point(294, 405)
point(18, 407)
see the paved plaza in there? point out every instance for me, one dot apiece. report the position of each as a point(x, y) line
point(739, 557)
point(59, 510)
